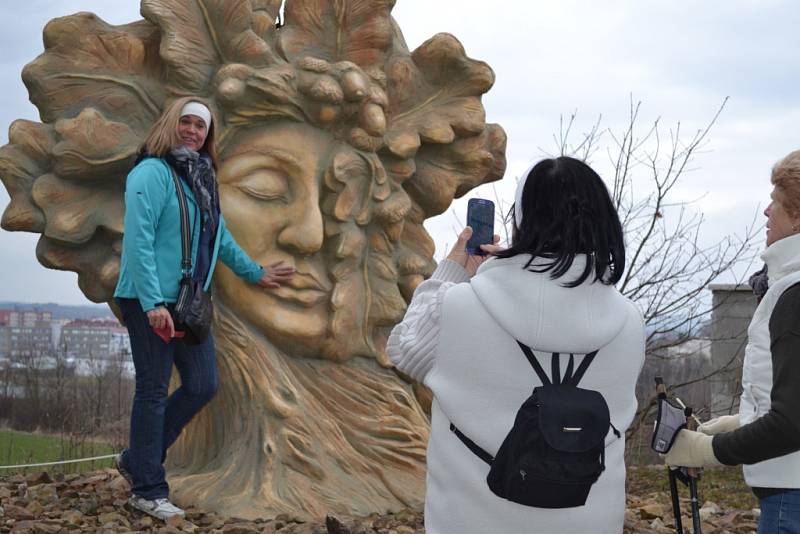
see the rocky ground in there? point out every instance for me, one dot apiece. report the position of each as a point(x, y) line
point(95, 502)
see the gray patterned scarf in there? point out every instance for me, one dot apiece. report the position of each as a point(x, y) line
point(197, 170)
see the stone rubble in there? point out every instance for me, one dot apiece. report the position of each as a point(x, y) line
point(96, 502)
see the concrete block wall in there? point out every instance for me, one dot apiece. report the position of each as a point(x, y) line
point(734, 306)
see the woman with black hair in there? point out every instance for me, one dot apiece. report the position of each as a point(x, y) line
point(553, 291)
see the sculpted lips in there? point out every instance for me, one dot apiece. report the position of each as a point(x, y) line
point(304, 289)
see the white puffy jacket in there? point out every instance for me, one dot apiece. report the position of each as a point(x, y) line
point(783, 262)
point(459, 339)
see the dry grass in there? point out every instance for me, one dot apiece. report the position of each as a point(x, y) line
point(724, 486)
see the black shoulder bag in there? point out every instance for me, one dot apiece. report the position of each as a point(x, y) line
point(555, 451)
point(194, 308)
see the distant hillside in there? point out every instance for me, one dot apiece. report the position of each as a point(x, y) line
point(61, 311)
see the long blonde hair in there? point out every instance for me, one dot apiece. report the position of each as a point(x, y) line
point(163, 135)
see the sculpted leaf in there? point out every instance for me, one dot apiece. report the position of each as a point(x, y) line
point(21, 162)
point(359, 31)
point(96, 262)
point(435, 95)
point(90, 148)
point(448, 171)
point(74, 211)
point(90, 63)
point(415, 254)
point(199, 36)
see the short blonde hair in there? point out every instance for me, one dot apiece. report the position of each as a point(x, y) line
point(163, 135)
point(786, 179)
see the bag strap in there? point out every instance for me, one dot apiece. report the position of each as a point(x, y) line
point(535, 363)
point(186, 253)
point(555, 368)
point(472, 446)
point(581, 370)
point(570, 367)
point(570, 377)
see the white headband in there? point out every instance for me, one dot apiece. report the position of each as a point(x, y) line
point(518, 196)
point(199, 110)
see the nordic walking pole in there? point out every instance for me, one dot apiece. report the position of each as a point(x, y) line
point(694, 474)
point(661, 392)
point(676, 506)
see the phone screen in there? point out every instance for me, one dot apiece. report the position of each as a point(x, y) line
point(480, 216)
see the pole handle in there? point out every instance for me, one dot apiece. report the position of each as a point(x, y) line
point(691, 421)
point(691, 424)
point(661, 388)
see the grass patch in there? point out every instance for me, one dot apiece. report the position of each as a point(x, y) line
point(724, 486)
point(25, 448)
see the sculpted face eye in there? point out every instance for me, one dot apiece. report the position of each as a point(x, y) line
point(259, 176)
point(265, 184)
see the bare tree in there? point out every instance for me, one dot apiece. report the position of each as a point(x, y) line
point(670, 262)
point(30, 363)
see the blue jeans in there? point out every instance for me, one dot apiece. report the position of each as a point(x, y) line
point(156, 419)
point(780, 514)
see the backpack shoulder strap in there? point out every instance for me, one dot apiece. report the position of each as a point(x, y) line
point(472, 446)
point(534, 363)
point(581, 370)
point(570, 369)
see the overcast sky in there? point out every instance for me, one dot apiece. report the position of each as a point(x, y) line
point(681, 59)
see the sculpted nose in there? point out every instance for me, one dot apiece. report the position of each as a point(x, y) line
point(303, 233)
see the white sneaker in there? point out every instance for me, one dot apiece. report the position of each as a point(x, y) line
point(158, 508)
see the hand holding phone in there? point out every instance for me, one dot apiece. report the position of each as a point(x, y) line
point(479, 232)
point(480, 217)
point(470, 263)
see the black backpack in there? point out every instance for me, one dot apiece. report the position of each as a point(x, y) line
point(556, 449)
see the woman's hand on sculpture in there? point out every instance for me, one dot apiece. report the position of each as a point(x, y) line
point(161, 319)
point(470, 262)
point(718, 425)
point(275, 275)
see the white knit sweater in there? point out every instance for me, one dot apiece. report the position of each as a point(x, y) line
point(458, 338)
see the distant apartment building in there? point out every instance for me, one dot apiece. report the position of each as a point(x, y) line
point(25, 334)
point(3, 342)
point(25, 318)
point(94, 339)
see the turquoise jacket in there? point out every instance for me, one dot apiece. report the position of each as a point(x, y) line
point(150, 269)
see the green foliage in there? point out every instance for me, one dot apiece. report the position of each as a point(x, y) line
point(25, 448)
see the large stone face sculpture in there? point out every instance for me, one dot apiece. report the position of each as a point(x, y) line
point(336, 143)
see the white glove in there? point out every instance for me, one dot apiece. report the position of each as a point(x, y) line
point(691, 449)
point(718, 425)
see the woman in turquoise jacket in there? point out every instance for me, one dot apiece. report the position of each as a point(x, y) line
point(182, 140)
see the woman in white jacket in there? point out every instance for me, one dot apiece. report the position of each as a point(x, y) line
point(553, 291)
point(765, 435)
